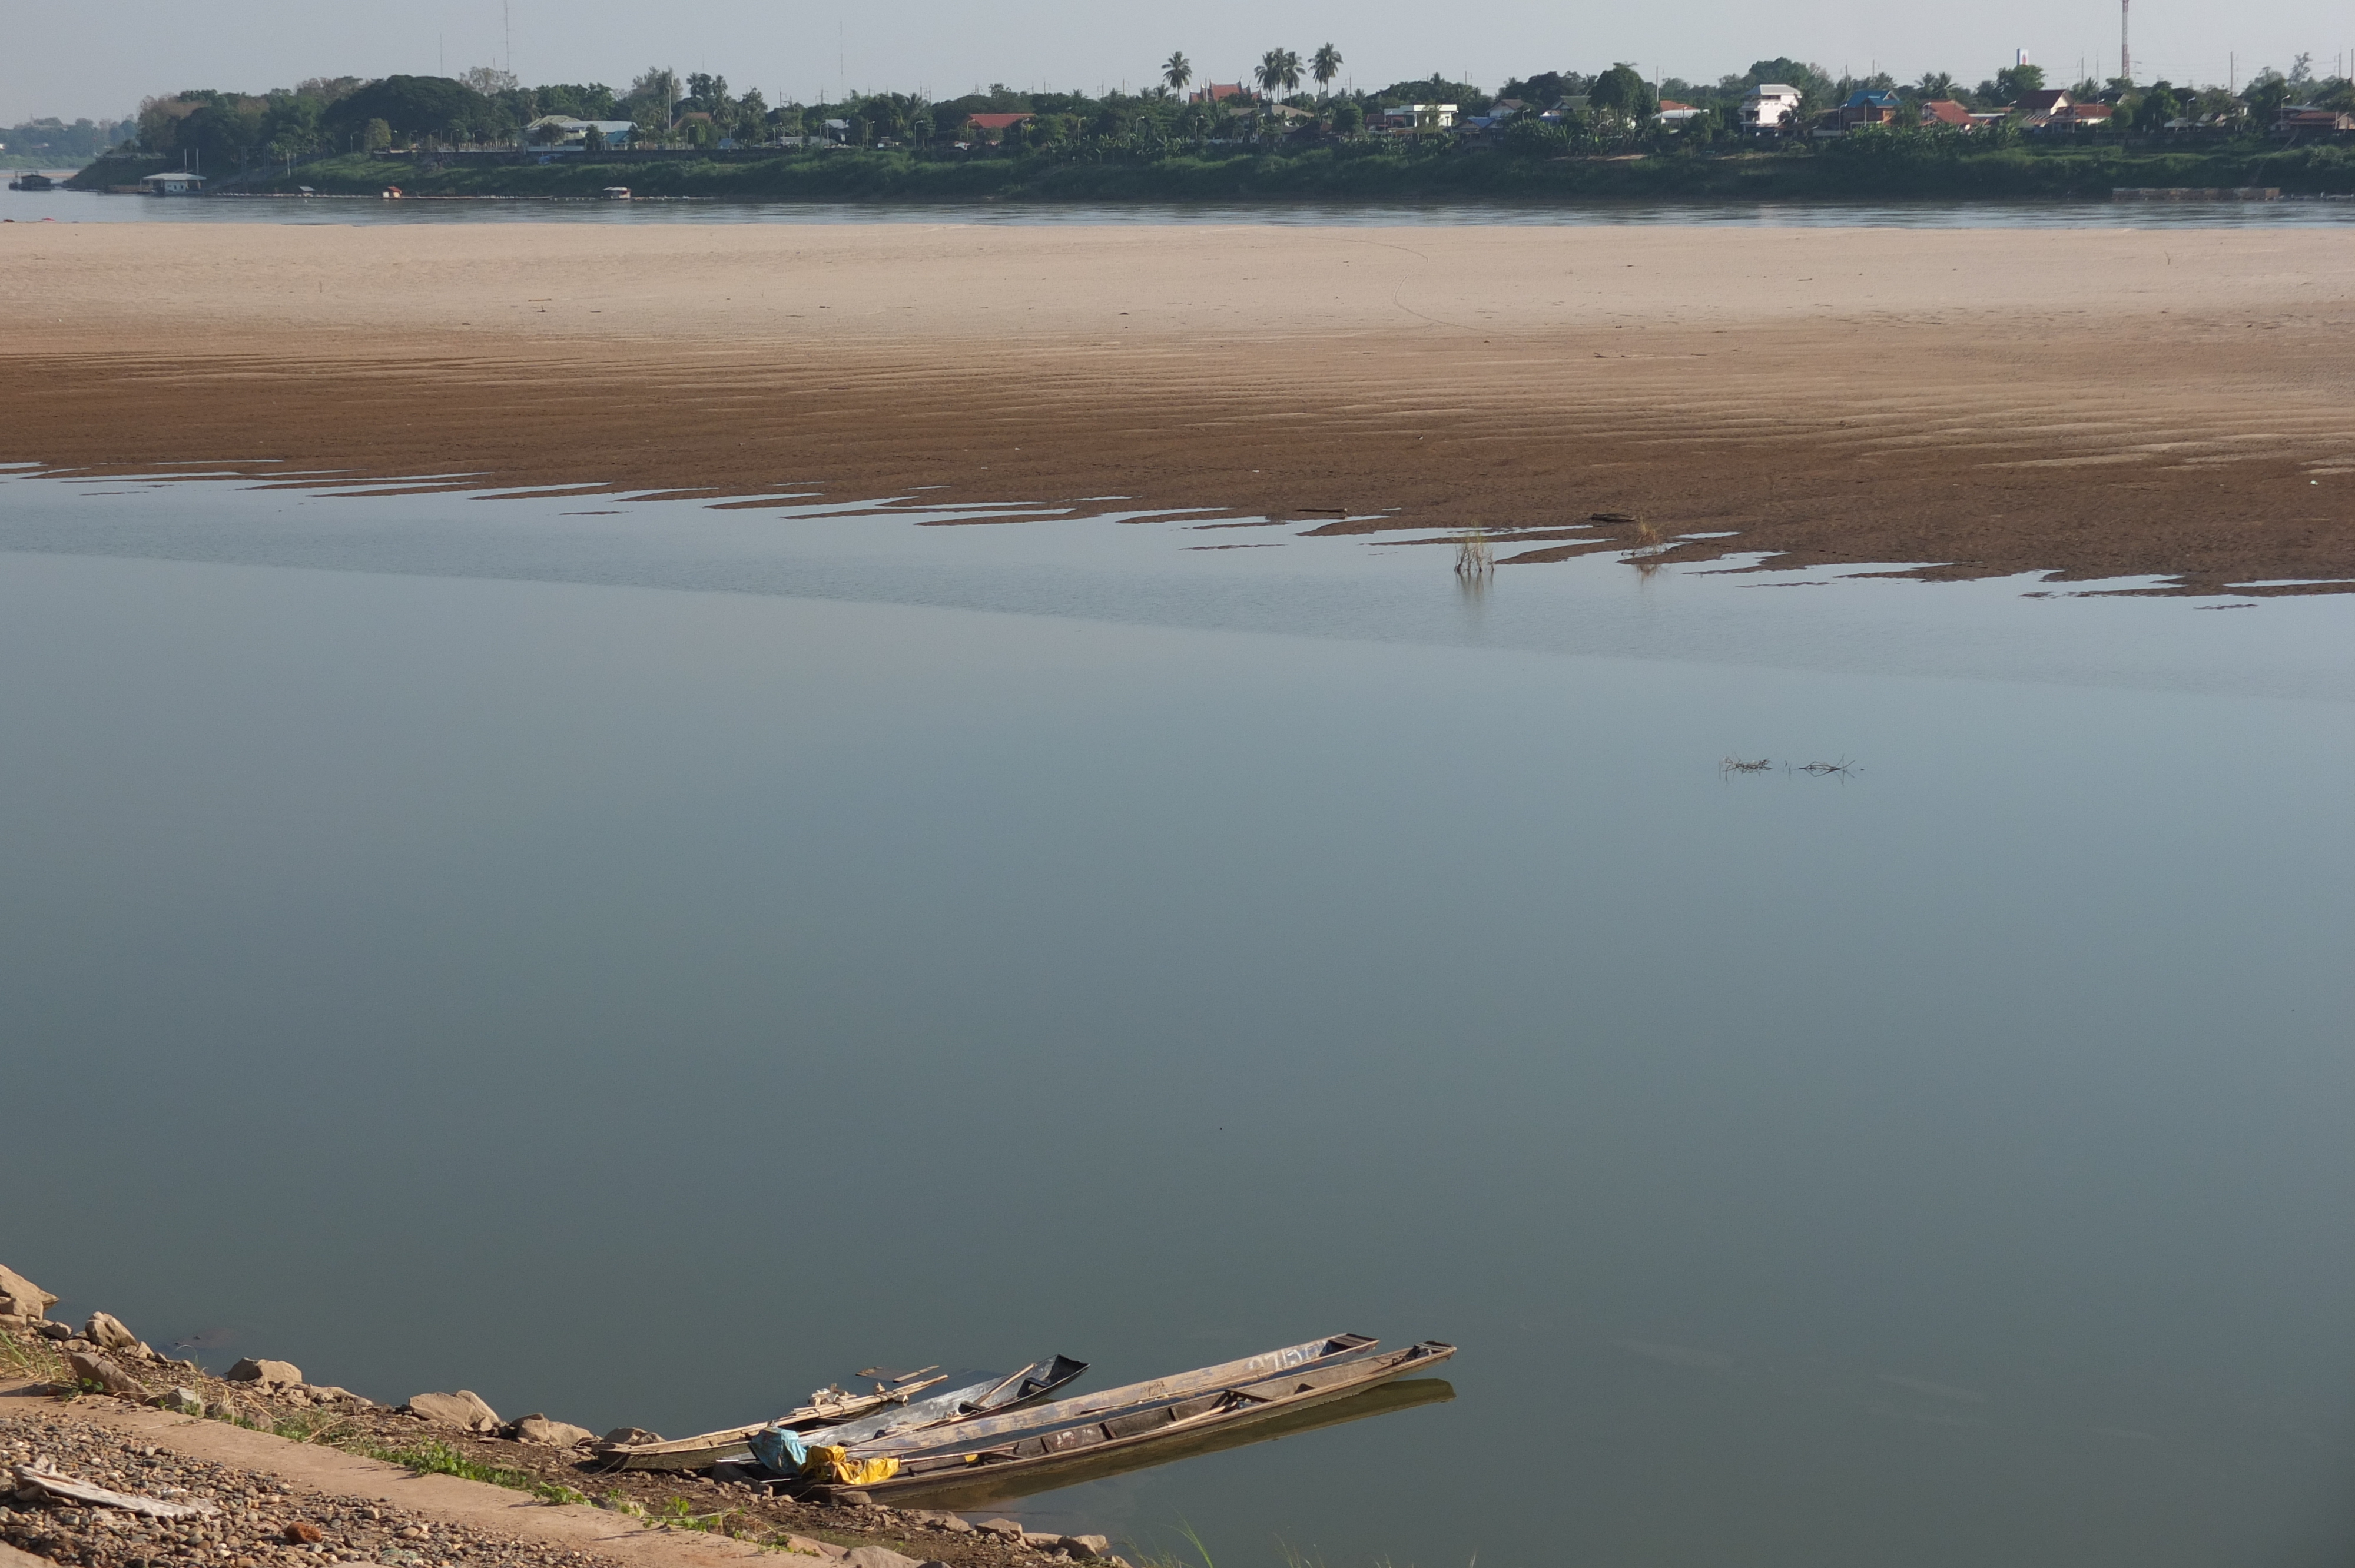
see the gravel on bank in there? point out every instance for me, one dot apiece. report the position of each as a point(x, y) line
point(259, 1519)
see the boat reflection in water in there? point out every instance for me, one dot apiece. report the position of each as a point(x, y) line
point(993, 1486)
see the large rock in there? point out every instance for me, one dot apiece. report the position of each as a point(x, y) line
point(20, 1298)
point(939, 1519)
point(632, 1437)
point(99, 1369)
point(464, 1408)
point(549, 1434)
point(105, 1330)
point(1085, 1547)
point(269, 1375)
point(1004, 1528)
point(179, 1401)
point(877, 1557)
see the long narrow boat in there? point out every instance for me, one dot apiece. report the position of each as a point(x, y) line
point(978, 1487)
point(992, 1396)
point(1163, 1413)
point(889, 1409)
point(1336, 1349)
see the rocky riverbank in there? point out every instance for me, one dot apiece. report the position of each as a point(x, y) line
point(232, 1516)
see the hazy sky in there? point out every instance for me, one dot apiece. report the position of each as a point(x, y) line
point(55, 63)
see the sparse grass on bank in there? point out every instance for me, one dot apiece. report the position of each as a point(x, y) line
point(432, 1458)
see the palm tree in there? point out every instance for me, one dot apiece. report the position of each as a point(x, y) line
point(1937, 84)
point(1325, 66)
point(1177, 71)
point(1278, 68)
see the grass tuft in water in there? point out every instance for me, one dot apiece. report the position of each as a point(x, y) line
point(1473, 558)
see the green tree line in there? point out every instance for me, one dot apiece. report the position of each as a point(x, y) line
point(1291, 103)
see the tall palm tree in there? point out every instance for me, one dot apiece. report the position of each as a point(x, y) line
point(1269, 72)
point(1937, 84)
point(1325, 66)
point(1177, 71)
point(1278, 69)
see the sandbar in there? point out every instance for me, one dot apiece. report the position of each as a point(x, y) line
point(2175, 401)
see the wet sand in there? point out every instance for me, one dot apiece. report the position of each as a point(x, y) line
point(2175, 402)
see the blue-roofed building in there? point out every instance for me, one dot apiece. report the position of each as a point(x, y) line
point(1867, 107)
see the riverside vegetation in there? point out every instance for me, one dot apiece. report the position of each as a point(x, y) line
point(1551, 136)
point(1876, 166)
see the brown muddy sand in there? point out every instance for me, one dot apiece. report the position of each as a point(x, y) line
point(2168, 402)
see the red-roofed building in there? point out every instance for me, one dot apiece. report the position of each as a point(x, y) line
point(1218, 92)
point(996, 125)
point(1946, 112)
point(2304, 120)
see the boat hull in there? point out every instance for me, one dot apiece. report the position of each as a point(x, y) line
point(1152, 1433)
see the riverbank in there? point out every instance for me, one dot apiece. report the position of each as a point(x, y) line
point(1861, 169)
point(1965, 402)
point(284, 1472)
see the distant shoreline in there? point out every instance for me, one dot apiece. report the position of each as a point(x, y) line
point(1930, 172)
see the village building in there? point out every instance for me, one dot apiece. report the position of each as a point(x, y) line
point(1409, 117)
point(1772, 109)
point(994, 126)
point(177, 182)
point(564, 131)
point(1866, 107)
point(2304, 120)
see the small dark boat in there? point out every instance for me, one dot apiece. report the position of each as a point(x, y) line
point(832, 1417)
point(1163, 1416)
point(32, 183)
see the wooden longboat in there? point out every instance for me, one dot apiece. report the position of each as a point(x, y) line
point(1335, 1350)
point(991, 1486)
point(889, 1409)
point(1034, 1385)
point(1008, 1450)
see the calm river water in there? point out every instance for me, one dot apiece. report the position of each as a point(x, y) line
point(642, 966)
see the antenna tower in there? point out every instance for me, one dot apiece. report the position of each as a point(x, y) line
point(2126, 52)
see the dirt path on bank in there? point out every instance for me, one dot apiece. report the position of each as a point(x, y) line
point(2174, 401)
point(112, 1441)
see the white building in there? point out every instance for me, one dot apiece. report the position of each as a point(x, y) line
point(177, 182)
point(1415, 117)
point(1772, 106)
point(563, 131)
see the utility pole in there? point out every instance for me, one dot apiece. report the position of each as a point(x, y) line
point(506, 28)
point(2126, 49)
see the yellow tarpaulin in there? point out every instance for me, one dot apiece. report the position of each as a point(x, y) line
point(829, 1462)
